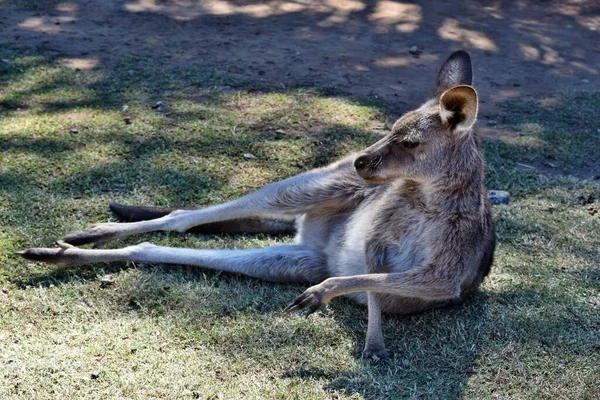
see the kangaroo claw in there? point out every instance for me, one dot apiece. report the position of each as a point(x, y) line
point(377, 354)
point(311, 300)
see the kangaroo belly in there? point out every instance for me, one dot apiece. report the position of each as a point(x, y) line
point(345, 250)
point(318, 230)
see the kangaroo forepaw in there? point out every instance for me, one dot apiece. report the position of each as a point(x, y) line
point(61, 256)
point(377, 354)
point(311, 300)
point(93, 234)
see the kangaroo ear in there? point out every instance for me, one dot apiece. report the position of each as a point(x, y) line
point(457, 70)
point(458, 108)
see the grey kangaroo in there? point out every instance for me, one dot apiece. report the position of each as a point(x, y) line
point(403, 227)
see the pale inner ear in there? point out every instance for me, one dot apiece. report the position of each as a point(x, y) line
point(458, 108)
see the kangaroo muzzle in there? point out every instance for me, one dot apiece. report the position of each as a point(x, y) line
point(366, 165)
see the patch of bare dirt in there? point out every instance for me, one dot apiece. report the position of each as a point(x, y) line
point(521, 49)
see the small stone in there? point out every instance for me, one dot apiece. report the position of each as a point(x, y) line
point(414, 50)
point(158, 105)
point(405, 362)
point(107, 280)
point(280, 132)
point(492, 122)
point(95, 375)
point(585, 81)
point(498, 197)
point(6, 61)
point(549, 164)
point(125, 108)
point(4, 290)
point(127, 120)
point(74, 130)
point(249, 156)
point(299, 164)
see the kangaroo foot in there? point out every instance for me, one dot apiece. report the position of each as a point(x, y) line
point(377, 354)
point(94, 234)
point(60, 255)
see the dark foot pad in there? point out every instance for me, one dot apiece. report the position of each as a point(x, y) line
point(139, 213)
point(50, 256)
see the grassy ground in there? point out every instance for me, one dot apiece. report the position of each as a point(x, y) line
point(532, 331)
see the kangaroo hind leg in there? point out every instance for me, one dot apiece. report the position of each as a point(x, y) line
point(282, 263)
point(274, 226)
point(288, 198)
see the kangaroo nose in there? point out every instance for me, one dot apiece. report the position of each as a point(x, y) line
point(361, 162)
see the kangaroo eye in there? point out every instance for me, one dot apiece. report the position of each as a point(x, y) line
point(410, 145)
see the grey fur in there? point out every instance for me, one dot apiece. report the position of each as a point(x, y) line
point(412, 229)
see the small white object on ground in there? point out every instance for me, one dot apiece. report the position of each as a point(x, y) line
point(498, 197)
point(414, 50)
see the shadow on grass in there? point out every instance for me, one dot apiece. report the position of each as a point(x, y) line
point(241, 319)
point(436, 352)
point(316, 44)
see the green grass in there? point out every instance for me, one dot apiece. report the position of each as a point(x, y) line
point(532, 331)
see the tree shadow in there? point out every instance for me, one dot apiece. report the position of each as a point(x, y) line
point(435, 352)
point(360, 47)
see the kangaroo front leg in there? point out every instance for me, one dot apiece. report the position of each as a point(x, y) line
point(409, 284)
point(417, 284)
point(374, 346)
point(337, 184)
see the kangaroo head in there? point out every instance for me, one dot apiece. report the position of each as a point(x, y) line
point(424, 144)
